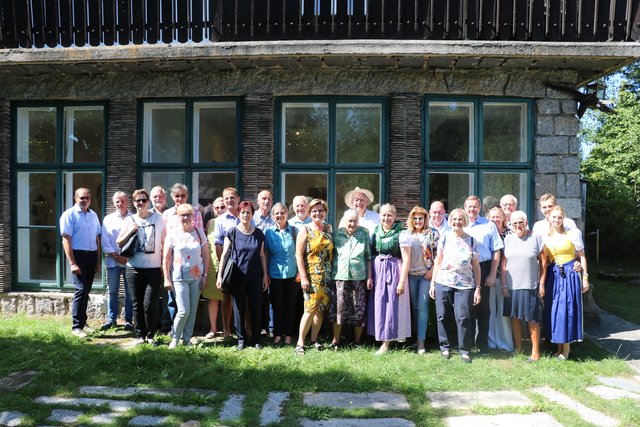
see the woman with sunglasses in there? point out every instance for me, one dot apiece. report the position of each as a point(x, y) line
point(144, 268)
point(523, 270)
point(185, 267)
point(418, 245)
point(314, 254)
point(565, 248)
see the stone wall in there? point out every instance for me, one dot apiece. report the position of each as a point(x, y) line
point(50, 304)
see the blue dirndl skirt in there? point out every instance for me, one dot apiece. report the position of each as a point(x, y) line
point(566, 305)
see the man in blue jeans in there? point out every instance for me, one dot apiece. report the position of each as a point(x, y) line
point(116, 264)
point(80, 230)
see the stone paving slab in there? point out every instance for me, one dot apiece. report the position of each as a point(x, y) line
point(589, 415)
point(618, 336)
point(272, 408)
point(11, 419)
point(504, 420)
point(376, 400)
point(232, 407)
point(17, 380)
point(134, 391)
point(147, 420)
point(357, 422)
point(65, 416)
point(622, 383)
point(108, 418)
point(610, 393)
point(469, 399)
point(120, 405)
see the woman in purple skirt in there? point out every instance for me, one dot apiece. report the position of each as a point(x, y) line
point(389, 307)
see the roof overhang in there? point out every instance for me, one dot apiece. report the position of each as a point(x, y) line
point(589, 60)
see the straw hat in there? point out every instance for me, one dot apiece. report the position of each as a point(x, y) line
point(348, 198)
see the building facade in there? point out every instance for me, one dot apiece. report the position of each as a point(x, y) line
point(312, 97)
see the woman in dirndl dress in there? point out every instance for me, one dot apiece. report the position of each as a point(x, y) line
point(566, 248)
point(389, 308)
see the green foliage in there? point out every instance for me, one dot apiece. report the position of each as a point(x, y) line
point(613, 173)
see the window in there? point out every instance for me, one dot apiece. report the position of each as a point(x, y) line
point(59, 148)
point(192, 142)
point(478, 146)
point(327, 147)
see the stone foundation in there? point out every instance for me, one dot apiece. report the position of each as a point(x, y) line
point(50, 304)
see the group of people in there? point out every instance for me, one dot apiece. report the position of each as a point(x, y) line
point(373, 273)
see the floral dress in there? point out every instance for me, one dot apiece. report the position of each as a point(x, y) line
point(317, 260)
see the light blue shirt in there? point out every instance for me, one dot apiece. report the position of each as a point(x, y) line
point(224, 223)
point(297, 222)
point(263, 222)
point(83, 228)
point(486, 234)
point(111, 226)
point(281, 245)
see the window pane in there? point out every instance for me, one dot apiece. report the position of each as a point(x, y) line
point(209, 186)
point(311, 184)
point(451, 132)
point(346, 182)
point(214, 132)
point(450, 188)
point(306, 132)
point(165, 179)
point(92, 181)
point(37, 255)
point(36, 135)
point(358, 133)
point(36, 196)
point(505, 132)
point(164, 133)
point(497, 184)
point(83, 134)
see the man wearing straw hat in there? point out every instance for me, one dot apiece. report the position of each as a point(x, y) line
point(358, 199)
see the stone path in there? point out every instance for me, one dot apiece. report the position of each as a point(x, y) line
point(118, 401)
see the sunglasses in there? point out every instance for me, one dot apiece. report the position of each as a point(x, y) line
point(141, 201)
point(84, 197)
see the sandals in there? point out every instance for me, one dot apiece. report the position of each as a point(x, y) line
point(465, 358)
point(334, 346)
point(299, 350)
point(445, 354)
point(318, 346)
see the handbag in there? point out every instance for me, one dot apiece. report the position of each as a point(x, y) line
point(130, 246)
point(229, 267)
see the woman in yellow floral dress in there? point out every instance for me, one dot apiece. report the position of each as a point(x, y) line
point(314, 249)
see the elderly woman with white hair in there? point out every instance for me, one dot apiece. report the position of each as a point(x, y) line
point(357, 200)
point(523, 268)
point(351, 278)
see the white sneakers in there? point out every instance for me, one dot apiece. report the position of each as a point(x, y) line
point(79, 333)
point(173, 343)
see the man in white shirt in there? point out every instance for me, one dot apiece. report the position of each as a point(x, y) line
point(116, 264)
point(541, 228)
point(301, 210)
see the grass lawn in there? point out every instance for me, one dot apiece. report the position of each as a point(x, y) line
point(616, 297)
point(66, 363)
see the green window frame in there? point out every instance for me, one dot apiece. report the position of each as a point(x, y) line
point(191, 141)
point(478, 145)
point(56, 148)
point(326, 146)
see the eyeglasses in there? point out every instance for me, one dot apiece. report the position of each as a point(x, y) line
point(518, 223)
point(84, 197)
point(219, 208)
point(185, 215)
point(317, 211)
point(141, 201)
